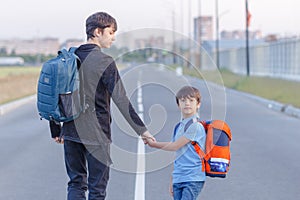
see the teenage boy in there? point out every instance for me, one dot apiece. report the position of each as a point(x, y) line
point(187, 178)
point(87, 139)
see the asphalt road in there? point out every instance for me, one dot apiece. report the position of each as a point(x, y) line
point(265, 149)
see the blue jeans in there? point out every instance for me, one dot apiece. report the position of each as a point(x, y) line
point(81, 160)
point(187, 190)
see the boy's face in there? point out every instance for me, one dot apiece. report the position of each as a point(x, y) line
point(188, 106)
point(106, 37)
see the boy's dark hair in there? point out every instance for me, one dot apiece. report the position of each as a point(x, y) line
point(100, 20)
point(188, 92)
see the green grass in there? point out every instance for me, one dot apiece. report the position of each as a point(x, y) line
point(17, 70)
point(17, 82)
point(284, 91)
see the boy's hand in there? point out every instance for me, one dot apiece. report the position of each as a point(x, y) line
point(147, 137)
point(59, 140)
point(171, 189)
point(151, 143)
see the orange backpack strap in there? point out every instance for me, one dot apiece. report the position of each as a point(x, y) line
point(200, 153)
point(195, 144)
point(197, 147)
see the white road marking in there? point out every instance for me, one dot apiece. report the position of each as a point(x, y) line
point(140, 171)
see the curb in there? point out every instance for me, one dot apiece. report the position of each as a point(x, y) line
point(5, 108)
point(273, 105)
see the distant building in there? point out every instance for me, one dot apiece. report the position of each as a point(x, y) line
point(240, 35)
point(7, 61)
point(203, 28)
point(44, 46)
point(271, 38)
point(210, 45)
point(72, 43)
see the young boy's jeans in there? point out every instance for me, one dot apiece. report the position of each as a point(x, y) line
point(76, 156)
point(187, 190)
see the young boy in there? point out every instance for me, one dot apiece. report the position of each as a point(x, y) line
point(188, 177)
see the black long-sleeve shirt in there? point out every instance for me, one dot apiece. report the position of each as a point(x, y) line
point(102, 83)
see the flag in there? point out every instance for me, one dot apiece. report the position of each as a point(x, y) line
point(248, 15)
point(248, 18)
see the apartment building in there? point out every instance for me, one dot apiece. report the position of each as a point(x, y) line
point(203, 28)
point(45, 46)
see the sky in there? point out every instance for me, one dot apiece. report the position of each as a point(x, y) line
point(65, 19)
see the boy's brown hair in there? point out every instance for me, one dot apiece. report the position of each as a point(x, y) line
point(100, 20)
point(188, 92)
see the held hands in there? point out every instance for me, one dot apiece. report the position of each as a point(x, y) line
point(148, 138)
point(151, 143)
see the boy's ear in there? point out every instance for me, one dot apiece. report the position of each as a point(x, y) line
point(97, 32)
point(199, 104)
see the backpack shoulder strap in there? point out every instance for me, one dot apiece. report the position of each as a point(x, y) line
point(175, 130)
point(200, 153)
point(205, 124)
point(197, 146)
point(63, 52)
point(69, 53)
point(72, 49)
point(189, 123)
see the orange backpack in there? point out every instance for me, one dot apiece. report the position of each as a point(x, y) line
point(216, 158)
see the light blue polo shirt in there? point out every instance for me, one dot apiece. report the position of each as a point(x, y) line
point(187, 164)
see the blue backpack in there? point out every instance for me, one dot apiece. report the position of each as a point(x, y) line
point(60, 93)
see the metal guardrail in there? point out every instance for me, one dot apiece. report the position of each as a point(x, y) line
point(276, 59)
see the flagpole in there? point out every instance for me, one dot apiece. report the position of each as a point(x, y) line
point(247, 39)
point(217, 35)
